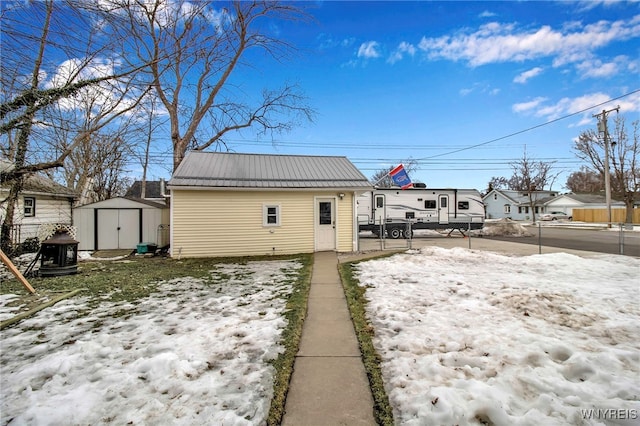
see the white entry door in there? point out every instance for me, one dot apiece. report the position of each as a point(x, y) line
point(325, 224)
point(443, 210)
point(118, 228)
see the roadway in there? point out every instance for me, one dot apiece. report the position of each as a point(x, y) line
point(577, 238)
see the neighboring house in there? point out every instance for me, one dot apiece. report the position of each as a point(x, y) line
point(567, 202)
point(502, 203)
point(42, 204)
point(229, 204)
point(121, 223)
point(155, 190)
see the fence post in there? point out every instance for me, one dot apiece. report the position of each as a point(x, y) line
point(621, 238)
point(539, 238)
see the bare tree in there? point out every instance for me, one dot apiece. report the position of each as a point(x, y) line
point(585, 180)
point(382, 179)
point(623, 152)
point(530, 176)
point(497, 182)
point(195, 52)
point(52, 51)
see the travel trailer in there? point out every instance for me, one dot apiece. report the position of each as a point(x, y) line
point(396, 212)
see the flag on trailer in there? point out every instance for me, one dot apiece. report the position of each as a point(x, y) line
point(400, 177)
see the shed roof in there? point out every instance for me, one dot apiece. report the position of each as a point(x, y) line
point(267, 171)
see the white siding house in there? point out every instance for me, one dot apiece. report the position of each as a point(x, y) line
point(42, 204)
point(567, 202)
point(228, 204)
point(515, 204)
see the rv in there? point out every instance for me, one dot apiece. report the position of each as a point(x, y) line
point(397, 212)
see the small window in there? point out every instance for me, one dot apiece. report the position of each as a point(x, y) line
point(271, 215)
point(495, 196)
point(324, 213)
point(430, 204)
point(507, 208)
point(463, 205)
point(29, 207)
point(443, 202)
point(379, 202)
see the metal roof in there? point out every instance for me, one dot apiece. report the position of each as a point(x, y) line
point(234, 170)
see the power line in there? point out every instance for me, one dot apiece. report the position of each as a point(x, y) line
point(533, 127)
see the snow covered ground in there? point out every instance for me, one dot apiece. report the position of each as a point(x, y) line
point(470, 337)
point(466, 337)
point(195, 352)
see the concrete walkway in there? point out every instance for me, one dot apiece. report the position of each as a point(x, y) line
point(329, 385)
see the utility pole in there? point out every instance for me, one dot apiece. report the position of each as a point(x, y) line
point(602, 129)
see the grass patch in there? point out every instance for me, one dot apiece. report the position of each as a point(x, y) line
point(364, 331)
point(296, 311)
point(129, 279)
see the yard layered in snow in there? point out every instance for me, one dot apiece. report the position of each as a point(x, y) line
point(195, 352)
point(470, 337)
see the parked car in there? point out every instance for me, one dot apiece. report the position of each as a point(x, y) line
point(555, 216)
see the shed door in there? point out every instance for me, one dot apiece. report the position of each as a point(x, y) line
point(118, 228)
point(325, 224)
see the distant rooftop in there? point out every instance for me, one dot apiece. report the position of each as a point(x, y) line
point(153, 189)
point(37, 183)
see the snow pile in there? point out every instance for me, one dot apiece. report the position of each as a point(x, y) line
point(505, 227)
point(472, 337)
point(195, 352)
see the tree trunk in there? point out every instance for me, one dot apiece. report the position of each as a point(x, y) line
point(628, 201)
point(7, 225)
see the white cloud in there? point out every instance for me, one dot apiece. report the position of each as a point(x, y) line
point(487, 14)
point(595, 68)
point(480, 87)
point(526, 75)
point(581, 104)
point(465, 92)
point(498, 42)
point(402, 49)
point(526, 106)
point(369, 50)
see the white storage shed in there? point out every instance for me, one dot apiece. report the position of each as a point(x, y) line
point(121, 223)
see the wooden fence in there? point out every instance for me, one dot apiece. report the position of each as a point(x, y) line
point(600, 215)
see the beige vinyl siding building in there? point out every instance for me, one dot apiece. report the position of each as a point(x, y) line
point(225, 204)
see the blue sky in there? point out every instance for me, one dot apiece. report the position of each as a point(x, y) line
point(429, 80)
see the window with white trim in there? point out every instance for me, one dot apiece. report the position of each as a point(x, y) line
point(507, 208)
point(271, 215)
point(29, 206)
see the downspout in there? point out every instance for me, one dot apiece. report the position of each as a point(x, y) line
point(356, 226)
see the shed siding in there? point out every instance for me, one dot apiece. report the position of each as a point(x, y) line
point(230, 223)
